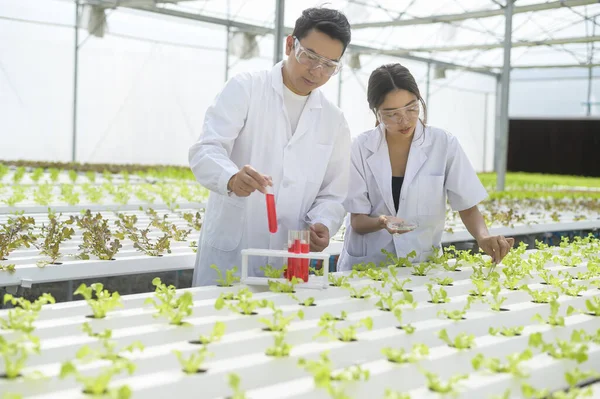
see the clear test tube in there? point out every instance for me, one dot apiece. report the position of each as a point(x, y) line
point(304, 248)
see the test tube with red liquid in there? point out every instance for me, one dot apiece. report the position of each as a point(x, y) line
point(298, 242)
point(271, 211)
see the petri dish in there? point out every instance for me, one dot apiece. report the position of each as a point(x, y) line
point(402, 225)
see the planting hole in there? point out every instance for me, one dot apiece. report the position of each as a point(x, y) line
point(312, 304)
point(4, 376)
point(87, 392)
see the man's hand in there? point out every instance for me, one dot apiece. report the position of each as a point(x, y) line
point(319, 237)
point(496, 246)
point(246, 181)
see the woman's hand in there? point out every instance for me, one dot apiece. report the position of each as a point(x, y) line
point(496, 246)
point(383, 220)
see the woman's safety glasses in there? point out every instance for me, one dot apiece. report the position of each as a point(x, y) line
point(313, 60)
point(397, 115)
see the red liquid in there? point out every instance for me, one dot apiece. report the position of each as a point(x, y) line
point(304, 269)
point(291, 264)
point(271, 213)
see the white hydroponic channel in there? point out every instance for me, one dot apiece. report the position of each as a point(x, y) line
point(241, 351)
point(128, 260)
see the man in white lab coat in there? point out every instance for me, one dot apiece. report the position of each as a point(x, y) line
point(275, 128)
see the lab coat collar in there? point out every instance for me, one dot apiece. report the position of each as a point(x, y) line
point(314, 99)
point(381, 168)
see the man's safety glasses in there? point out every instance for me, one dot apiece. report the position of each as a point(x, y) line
point(314, 60)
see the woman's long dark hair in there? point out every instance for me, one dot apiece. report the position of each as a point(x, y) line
point(388, 78)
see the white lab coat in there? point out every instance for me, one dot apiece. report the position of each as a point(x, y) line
point(248, 125)
point(437, 169)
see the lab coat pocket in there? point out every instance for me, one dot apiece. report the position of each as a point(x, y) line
point(224, 231)
point(432, 198)
point(347, 261)
point(356, 244)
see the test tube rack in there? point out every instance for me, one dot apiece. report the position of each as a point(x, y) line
point(314, 282)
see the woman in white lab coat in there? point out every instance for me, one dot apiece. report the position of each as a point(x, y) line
point(275, 127)
point(406, 169)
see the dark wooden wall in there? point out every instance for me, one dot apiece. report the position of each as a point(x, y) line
point(558, 146)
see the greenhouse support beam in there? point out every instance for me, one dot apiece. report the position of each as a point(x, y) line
point(473, 14)
point(75, 83)
point(491, 46)
point(279, 31)
point(554, 66)
point(262, 30)
point(502, 138)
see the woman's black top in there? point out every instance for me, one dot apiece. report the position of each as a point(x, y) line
point(396, 187)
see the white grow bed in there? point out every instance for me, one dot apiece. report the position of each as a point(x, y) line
point(158, 374)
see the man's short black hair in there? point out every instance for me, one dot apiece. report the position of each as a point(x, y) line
point(331, 22)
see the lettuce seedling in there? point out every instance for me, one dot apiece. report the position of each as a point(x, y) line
point(22, 317)
point(193, 364)
point(323, 374)
point(358, 293)
point(389, 394)
point(337, 281)
point(215, 335)
point(496, 301)
point(495, 366)
point(287, 287)
point(460, 342)
point(98, 385)
point(310, 301)
point(421, 269)
point(418, 352)
point(387, 302)
point(96, 237)
point(553, 319)
point(104, 301)
point(573, 349)
point(397, 285)
point(347, 334)
point(446, 281)
point(272, 272)
point(54, 234)
point(15, 233)
point(194, 220)
point(392, 259)
point(235, 382)
point(480, 288)
point(506, 331)
point(549, 278)
point(230, 277)
point(176, 312)
point(439, 296)
point(15, 353)
point(575, 376)
point(540, 296)
point(436, 385)
point(108, 350)
point(8, 268)
point(279, 322)
point(280, 348)
point(592, 305)
point(455, 315)
point(407, 328)
point(245, 305)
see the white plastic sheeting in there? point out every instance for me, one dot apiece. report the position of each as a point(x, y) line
point(144, 86)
